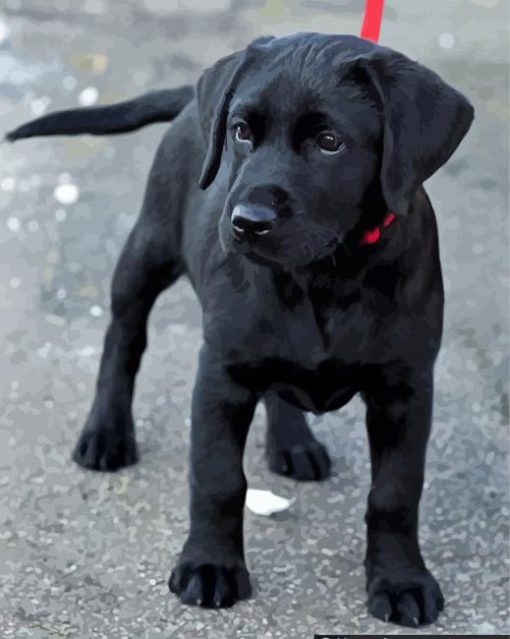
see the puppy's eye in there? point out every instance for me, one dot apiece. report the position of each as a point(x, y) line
point(329, 142)
point(243, 132)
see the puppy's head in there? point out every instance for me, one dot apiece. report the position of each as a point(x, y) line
point(319, 136)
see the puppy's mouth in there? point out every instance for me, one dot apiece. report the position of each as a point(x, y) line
point(250, 247)
point(279, 249)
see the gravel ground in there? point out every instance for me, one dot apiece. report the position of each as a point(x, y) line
point(87, 555)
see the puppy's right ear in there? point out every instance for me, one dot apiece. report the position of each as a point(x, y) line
point(215, 89)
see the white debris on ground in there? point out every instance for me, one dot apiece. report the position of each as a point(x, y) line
point(265, 502)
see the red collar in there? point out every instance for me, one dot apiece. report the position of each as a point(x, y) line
point(372, 236)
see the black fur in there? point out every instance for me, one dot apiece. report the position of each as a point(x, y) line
point(156, 106)
point(295, 310)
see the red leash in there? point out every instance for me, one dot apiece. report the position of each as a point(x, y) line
point(372, 20)
point(370, 30)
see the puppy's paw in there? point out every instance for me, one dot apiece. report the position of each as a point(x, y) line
point(409, 601)
point(307, 461)
point(209, 585)
point(105, 449)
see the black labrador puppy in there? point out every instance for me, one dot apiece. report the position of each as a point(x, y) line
point(313, 249)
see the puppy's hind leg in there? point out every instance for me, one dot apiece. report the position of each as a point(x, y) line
point(291, 448)
point(145, 268)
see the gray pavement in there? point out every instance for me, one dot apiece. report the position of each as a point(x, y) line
point(88, 555)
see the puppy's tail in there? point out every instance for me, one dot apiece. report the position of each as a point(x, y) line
point(156, 106)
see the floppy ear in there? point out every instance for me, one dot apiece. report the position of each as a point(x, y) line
point(215, 89)
point(425, 120)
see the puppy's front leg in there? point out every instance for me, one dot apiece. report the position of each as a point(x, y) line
point(211, 570)
point(399, 586)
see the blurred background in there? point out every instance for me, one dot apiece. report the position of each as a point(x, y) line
point(88, 555)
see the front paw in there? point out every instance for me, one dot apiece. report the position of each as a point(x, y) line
point(106, 443)
point(209, 585)
point(306, 461)
point(409, 599)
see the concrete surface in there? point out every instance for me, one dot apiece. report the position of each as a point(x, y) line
point(88, 555)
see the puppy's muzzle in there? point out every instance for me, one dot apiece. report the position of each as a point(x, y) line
point(249, 221)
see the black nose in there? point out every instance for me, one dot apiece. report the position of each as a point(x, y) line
point(252, 219)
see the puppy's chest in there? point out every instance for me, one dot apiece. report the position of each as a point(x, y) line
point(312, 362)
point(311, 335)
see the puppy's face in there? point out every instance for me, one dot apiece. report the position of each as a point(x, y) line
point(301, 151)
point(319, 136)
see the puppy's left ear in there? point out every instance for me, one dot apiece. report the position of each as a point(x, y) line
point(425, 120)
point(215, 90)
